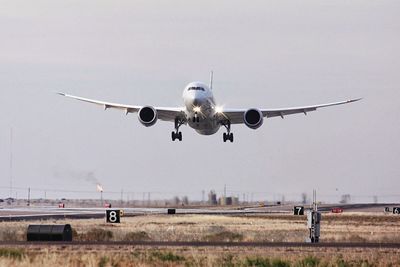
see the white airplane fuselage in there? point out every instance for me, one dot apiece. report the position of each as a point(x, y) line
point(201, 110)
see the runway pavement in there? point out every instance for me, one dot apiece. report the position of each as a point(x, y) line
point(35, 213)
point(51, 212)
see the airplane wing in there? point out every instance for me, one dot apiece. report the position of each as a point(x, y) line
point(163, 113)
point(235, 116)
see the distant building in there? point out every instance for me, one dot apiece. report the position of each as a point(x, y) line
point(235, 201)
point(224, 201)
point(212, 198)
point(345, 199)
point(228, 201)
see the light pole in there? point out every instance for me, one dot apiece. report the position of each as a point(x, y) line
point(100, 189)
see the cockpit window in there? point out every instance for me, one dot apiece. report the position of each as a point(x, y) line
point(196, 88)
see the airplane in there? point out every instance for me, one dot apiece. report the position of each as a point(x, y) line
point(201, 112)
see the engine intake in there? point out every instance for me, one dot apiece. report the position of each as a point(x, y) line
point(147, 116)
point(253, 118)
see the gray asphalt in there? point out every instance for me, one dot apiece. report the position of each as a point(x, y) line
point(49, 212)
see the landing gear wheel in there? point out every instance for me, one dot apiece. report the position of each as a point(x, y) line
point(231, 137)
point(228, 136)
point(177, 135)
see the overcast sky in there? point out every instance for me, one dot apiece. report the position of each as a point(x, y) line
point(264, 54)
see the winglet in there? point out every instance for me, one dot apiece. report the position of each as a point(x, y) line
point(59, 93)
point(354, 100)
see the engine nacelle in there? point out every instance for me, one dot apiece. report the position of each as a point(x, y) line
point(147, 116)
point(253, 118)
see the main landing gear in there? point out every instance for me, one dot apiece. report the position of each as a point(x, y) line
point(177, 134)
point(228, 135)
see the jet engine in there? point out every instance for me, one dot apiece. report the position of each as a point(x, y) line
point(147, 116)
point(253, 118)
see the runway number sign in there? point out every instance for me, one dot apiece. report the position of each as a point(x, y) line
point(113, 216)
point(298, 210)
point(396, 210)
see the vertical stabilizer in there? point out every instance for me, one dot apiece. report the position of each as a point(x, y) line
point(211, 79)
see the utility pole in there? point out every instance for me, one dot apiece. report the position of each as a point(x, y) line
point(122, 196)
point(29, 196)
point(11, 160)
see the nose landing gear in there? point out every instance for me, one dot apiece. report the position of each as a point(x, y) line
point(196, 118)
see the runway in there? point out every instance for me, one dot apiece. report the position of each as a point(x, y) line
point(51, 212)
point(35, 213)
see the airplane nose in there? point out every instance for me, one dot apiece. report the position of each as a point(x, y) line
point(193, 99)
point(196, 102)
point(190, 97)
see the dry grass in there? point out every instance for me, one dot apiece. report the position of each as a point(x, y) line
point(137, 236)
point(344, 227)
point(272, 228)
point(183, 256)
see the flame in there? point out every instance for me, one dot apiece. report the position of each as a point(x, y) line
point(99, 188)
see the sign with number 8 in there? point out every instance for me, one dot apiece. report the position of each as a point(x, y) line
point(113, 216)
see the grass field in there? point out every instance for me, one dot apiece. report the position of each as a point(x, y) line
point(185, 256)
point(356, 227)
